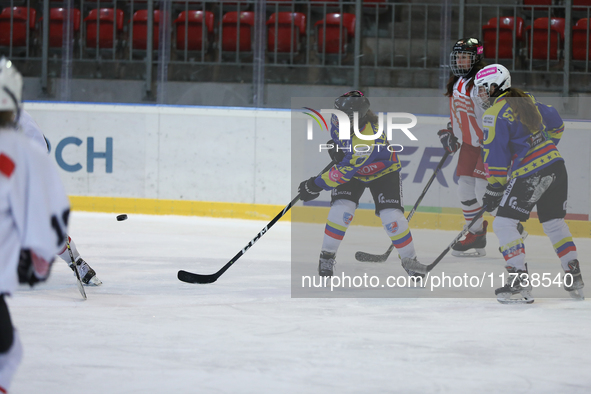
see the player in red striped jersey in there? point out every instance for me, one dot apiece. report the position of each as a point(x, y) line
point(466, 126)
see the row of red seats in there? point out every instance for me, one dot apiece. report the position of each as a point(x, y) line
point(237, 28)
point(544, 31)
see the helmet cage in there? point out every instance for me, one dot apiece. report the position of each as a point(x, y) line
point(467, 60)
point(494, 76)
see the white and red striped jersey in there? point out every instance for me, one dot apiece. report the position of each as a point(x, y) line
point(466, 118)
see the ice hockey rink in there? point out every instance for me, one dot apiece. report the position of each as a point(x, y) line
point(144, 331)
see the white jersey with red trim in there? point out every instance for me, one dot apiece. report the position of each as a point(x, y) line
point(466, 118)
point(33, 205)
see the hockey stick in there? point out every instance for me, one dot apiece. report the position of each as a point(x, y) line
point(414, 265)
point(380, 258)
point(189, 277)
point(78, 280)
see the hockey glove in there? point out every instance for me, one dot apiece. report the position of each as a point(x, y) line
point(336, 155)
point(309, 190)
point(448, 139)
point(32, 268)
point(492, 197)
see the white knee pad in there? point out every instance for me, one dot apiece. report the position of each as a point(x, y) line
point(390, 215)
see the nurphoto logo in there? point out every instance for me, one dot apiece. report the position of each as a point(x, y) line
point(344, 127)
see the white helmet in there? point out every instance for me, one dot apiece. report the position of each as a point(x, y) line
point(11, 87)
point(496, 76)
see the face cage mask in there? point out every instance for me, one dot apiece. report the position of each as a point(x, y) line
point(483, 98)
point(455, 69)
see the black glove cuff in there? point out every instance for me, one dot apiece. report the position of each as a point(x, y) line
point(311, 186)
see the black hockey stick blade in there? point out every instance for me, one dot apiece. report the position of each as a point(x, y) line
point(380, 258)
point(374, 258)
point(414, 265)
point(189, 277)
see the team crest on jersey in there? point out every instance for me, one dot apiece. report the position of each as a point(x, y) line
point(392, 227)
point(347, 217)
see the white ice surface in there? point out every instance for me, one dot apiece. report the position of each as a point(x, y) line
point(143, 331)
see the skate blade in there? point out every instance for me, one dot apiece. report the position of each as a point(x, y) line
point(577, 294)
point(469, 253)
point(505, 298)
point(94, 281)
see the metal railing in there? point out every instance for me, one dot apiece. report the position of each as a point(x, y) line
point(348, 35)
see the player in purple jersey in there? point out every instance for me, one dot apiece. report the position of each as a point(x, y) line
point(374, 167)
point(524, 170)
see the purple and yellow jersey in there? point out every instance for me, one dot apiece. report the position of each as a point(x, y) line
point(364, 160)
point(510, 148)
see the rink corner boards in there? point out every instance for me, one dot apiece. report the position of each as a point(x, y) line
point(434, 218)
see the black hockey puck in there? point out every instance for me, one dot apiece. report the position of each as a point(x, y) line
point(121, 217)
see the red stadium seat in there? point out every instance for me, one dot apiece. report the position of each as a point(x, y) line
point(19, 25)
point(505, 37)
point(339, 29)
point(237, 31)
point(57, 17)
point(140, 30)
point(197, 33)
point(106, 19)
point(582, 40)
point(541, 37)
point(284, 31)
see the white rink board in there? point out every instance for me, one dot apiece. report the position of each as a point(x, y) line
point(228, 154)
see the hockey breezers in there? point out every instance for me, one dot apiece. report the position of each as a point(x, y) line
point(190, 277)
point(78, 279)
point(415, 266)
point(380, 258)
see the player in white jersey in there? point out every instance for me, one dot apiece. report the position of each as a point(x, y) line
point(88, 276)
point(34, 211)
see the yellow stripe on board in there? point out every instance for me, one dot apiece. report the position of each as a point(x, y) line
point(363, 217)
point(176, 207)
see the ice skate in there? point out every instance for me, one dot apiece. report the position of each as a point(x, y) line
point(517, 289)
point(473, 245)
point(575, 290)
point(326, 263)
point(87, 274)
point(416, 276)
